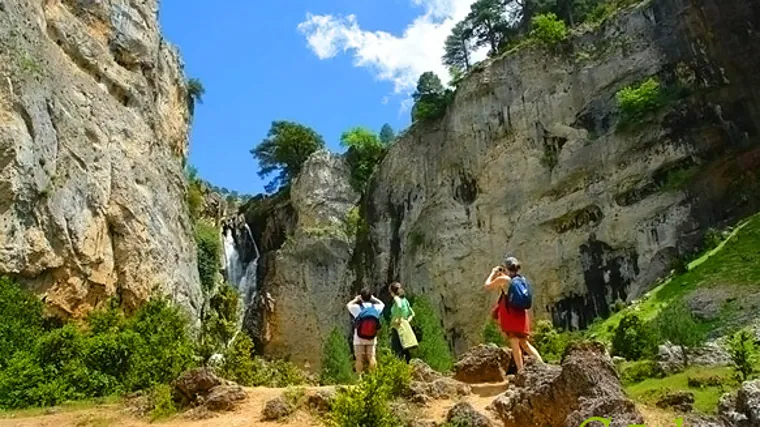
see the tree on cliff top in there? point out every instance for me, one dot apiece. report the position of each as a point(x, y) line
point(430, 99)
point(458, 46)
point(387, 135)
point(285, 149)
point(365, 151)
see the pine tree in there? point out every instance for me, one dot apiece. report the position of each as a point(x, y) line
point(458, 45)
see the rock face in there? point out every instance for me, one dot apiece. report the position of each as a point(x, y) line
point(304, 273)
point(742, 409)
point(528, 160)
point(93, 135)
point(483, 364)
point(586, 385)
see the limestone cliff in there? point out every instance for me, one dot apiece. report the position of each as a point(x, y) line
point(93, 136)
point(530, 159)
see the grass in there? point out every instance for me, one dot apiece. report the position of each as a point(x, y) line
point(64, 407)
point(706, 398)
point(734, 262)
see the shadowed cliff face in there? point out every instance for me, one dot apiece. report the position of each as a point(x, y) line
point(530, 161)
point(93, 136)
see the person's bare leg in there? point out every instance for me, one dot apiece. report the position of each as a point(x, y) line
point(359, 364)
point(516, 352)
point(528, 347)
point(372, 363)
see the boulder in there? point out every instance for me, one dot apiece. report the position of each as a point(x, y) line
point(742, 409)
point(224, 397)
point(463, 414)
point(442, 388)
point(682, 401)
point(585, 385)
point(196, 384)
point(483, 364)
point(422, 372)
point(670, 357)
point(277, 409)
point(321, 401)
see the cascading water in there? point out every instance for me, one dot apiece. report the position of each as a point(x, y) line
point(240, 275)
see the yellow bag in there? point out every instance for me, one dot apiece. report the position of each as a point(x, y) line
point(406, 335)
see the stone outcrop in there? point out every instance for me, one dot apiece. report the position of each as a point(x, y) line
point(483, 364)
point(428, 385)
point(202, 388)
point(529, 161)
point(742, 409)
point(585, 385)
point(304, 273)
point(93, 137)
point(464, 414)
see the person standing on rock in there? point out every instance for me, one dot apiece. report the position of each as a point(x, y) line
point(365, 309)
point(403, 340)
point(511, 311)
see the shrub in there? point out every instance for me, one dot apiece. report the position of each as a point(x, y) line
point(637, 102)
point(743, 352)
point(220, 321)
point(548, 30)
point(677, 325)
point(365, 152)
point(549, 342)
point(355, 224)
point(492, 334)
point(20, 319)
point(633, 339)
point(367, 404)
point(713, 238)
point(161, 402)
point(238, 364)
point(433, 348)
point(194, 199)
point(209, 246)
point(336, 360)
point(634, 372)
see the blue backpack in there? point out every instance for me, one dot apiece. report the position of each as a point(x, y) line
point(367, 323)
point(519, 295)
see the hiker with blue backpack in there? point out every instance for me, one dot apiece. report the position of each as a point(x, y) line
point(365, 309)
point(511, 311)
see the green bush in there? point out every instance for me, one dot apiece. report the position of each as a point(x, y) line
point(635, 372)
point(633, 339)
point(194, 199)
point(433, 348)
point(492, 334)
point(365, 152)
point(368, 403)
point(209, 246)
point(162, 402)
point(238, 364)
point(549, 30)
point(20, 320)
point(109, 355)
point(549, 342)
point(337, 367)
point(636, 102)
point(676, 324)
point(220, 321)
point(743, 352)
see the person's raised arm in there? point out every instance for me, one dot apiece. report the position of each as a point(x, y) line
point(496, 280)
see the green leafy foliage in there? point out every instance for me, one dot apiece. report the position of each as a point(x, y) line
point(195, 92)
point(219, 321)
point(285, 149)
point(635, 372)
point(433, 348)
point(550, 343)
point(637, 102)
point(162, 402)
point(633, 338)
point(20, 320)
point(549, 30)
point(744, 354)
point(209, 246)
point(111, 354)
point(677, 325)
point(194, 199)
point(430, 99)
point(488, 23)
point(368, 403)
point(365, 151)
point(241, 366)
point(337, 367)
point(458, 46)
point(492, 334)
point(387, 135)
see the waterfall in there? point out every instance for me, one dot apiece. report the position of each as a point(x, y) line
point(241, 276)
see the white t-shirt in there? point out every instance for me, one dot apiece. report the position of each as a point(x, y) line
point(355, 309)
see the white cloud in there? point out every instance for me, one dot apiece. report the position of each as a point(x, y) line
point(398, 59)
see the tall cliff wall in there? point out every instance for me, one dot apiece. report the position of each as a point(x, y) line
point(93, 136)
point(530, 160)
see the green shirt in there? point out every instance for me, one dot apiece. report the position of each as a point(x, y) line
point(401, 309)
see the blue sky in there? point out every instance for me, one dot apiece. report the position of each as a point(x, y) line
point(329, 64)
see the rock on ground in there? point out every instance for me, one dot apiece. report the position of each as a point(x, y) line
point(428, 384)
point(483, 364)
point(583, 386)
point(201, 387)
point(277, 409)
point(321, 401)
point(463, 414)
point(742, 409)
point(682, 401)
